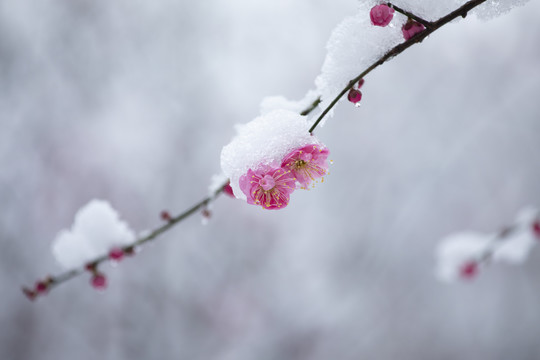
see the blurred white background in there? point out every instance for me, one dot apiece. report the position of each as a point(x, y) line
point(131, 101)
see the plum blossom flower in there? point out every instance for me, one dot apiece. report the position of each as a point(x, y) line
point(381, 15)
point(268, 187)
point(307, 163)
point(411, 28)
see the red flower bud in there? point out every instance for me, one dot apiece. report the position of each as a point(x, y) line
point(98, 281)
point(381, 15)
point(469, 270)
point(228, 190)
point(41, 287)
point(116, 254)
point(354, 96)
point(411, 28)
point(536, 228)
point(165, 216)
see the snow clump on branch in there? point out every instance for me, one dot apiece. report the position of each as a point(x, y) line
point(433, 10)
point(353, 46)
point(96, 230)
point(459, 255)
point(271, 156)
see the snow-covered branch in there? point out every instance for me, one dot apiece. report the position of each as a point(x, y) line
point(262, 175)
point(461, 255)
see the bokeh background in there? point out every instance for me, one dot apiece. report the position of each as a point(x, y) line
point(131, 101)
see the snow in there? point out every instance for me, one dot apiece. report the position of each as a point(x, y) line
point(216, 182)
point(515, 248)
point(458, 249)
point(493, 8)
point(435, 9)
point(512, 248)
point(271, 103)
point(96, 230)
point(430, 10)
point(353, 46)
point(527, 216)
point(263, 141)
point(355, 43)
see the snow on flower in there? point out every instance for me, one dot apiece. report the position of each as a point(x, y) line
point(264, 141)
point(307, 163)
point(457, 252)
point(97, 229)
point(268, 187)
point(269, 155)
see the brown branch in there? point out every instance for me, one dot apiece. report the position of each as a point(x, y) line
point(53, 281)
point(398, 49)
point(410, 15)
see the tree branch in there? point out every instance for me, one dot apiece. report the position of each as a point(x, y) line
point(53, 281)
point(398, 49)
point(427, 24)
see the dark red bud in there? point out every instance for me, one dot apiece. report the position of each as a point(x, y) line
point(165, 216)
point(469, 270)
point(116, 254)
point(354, 96)
point(98, 281)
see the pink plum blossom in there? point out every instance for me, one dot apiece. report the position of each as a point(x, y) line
point(381, 15)
point(411, 28)
point(307, 163)
point(268, 187)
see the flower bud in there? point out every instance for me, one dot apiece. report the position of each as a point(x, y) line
point(536, 228)
point(165, 216)
point(354, 96)
point(381, 15)
point(98, 281)
point(411, 28)
point(116, 254)
point(469, 270)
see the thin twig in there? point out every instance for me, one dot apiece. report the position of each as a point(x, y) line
point(53, 281)
point(427, 24)
point(311, 107)
point(498, 240)
point(398, 49)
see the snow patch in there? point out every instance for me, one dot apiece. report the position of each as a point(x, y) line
point(97, 228)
